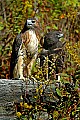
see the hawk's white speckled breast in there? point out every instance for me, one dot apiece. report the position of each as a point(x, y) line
point(32, 46)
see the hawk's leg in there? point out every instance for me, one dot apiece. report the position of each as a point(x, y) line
point(20, 67)
point(30, 65)
point(18, 70)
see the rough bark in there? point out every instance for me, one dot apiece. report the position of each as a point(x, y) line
point(10, 93)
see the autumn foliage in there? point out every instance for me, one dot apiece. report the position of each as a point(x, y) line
point(52, 15)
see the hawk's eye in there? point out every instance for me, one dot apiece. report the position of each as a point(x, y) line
point(33, 21)
point(59, 35)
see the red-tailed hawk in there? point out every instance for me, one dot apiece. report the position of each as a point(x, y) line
point(24, 51)
point(53, 49)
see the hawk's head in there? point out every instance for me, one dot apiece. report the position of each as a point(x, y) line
point(51, 39)
point(53, 36)
point(30, 24)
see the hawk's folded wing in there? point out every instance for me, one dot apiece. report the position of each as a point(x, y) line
point(14, 56)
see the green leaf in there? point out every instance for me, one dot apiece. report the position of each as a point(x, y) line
point(58, 92)
point(48, 27)
point(0, 47)
point(77, 72)
point(64, 118)
point(66, 81)
point(30, 118)
point(1, 26)
point(77, 76)
point(19, 30)
point(55, 27)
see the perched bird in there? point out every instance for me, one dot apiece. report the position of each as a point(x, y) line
point(53, 49)
point(52, 41)
point(24, 50)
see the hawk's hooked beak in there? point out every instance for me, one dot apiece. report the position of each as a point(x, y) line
point(60, 35)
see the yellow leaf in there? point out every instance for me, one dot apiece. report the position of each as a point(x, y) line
point(30, 106)
point(21, 104)
point(55, 114)
point(26, 105)
point(18, 114)
point(37, 89)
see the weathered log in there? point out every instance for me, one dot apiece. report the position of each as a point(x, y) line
point(8, 118)
point(12, 90)
point(48, 88)
point(10, 93)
